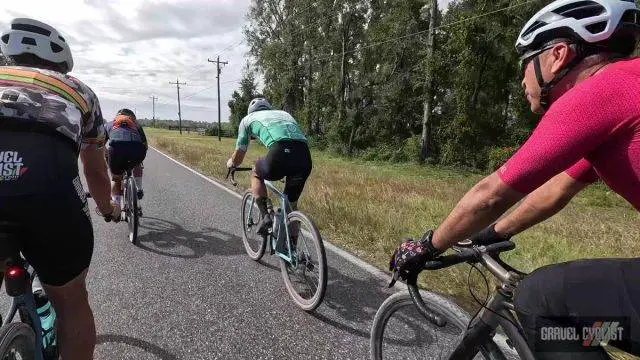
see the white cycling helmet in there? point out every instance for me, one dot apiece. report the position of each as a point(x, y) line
point(258, 104)
point(589, 24)
point(590, 21)
point(28, 36)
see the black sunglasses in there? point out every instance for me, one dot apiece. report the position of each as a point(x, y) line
point(526, 59)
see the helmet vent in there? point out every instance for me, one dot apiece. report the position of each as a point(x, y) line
point(5, 38)
point(597, 27)
point(29, 41)
point(631, 16)
point(581, 10)
point(56, 48)
point(61, 38)
point(536, 25)
point(31, 28)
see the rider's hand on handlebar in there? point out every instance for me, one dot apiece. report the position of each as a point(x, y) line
point(409, 258)
point(112, 214)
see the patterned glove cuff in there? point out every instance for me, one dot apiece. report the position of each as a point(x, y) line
point(426, 241)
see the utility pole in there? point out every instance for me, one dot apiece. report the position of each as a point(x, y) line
point(153, 98)
point(427, 106)
point(218, 62)
point(177, 84)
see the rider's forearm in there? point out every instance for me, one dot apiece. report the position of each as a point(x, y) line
point(540, 205)
point(238, 157)
point(482, 205)
point(95, 171)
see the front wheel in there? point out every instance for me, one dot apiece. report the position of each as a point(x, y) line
point(306, 275)
point(400, 331)
point(254, 244)
point(17, 341)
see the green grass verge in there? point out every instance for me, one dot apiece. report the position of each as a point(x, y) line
point(367, 207)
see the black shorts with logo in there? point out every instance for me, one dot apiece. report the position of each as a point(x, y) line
point(125, 155)
point(290, 159)
point(42, 196)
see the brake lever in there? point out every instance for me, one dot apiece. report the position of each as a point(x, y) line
point(232, 171)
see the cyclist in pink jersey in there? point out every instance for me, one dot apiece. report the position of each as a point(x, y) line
point(577, 72)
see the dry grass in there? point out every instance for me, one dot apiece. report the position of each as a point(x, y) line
point(366, 207)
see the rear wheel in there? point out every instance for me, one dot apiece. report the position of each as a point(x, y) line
point(17, 342)
point(306, 275)
point(131, 197)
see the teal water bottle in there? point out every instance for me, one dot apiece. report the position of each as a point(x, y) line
point(47, 320)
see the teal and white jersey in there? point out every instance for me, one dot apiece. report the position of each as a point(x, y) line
point(268, 126)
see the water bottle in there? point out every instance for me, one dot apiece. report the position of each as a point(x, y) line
point(47, 316)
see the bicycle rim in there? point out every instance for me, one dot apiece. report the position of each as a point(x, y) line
point(399, 330)
point(306, 276)
point(254, 244)
point(132, 212)
point(17, 342)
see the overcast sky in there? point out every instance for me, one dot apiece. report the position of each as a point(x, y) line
point(129, 50)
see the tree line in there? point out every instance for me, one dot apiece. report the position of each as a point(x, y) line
point(396, 80)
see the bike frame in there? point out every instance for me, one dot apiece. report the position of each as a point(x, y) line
point(497, 312)
point(281, 219)
point(27, 303)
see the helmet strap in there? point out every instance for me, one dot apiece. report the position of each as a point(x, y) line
point(545, 88)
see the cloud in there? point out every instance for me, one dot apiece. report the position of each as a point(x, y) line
point(130, 50)
point(185, 19)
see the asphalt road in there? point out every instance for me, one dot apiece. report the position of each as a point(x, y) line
point(189, 291)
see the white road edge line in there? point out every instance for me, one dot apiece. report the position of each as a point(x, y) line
point(501, 339)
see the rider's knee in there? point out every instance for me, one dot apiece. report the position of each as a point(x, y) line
point(70, 297)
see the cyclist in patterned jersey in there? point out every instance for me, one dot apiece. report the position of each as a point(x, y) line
point(126, 149)
point(47, 120)
point(577, 72)
point(288, 155)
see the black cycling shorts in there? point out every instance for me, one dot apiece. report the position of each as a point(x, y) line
point(290, 159)
point(598, 288)
point(45, 200)
point(125, 155)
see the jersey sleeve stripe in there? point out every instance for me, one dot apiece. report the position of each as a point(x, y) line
point(48, 82)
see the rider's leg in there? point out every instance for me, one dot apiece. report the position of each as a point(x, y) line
point(137, 175)
point(58, 243)
point(115, 162)
point(76, 330)
point(116, 188)
point(584, 290)
point(259, 191)
point(301, 165)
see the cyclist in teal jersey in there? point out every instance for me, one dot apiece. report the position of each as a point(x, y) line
point(288, 155)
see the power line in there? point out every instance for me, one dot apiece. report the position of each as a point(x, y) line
point(236, 44)
point(402, 37)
